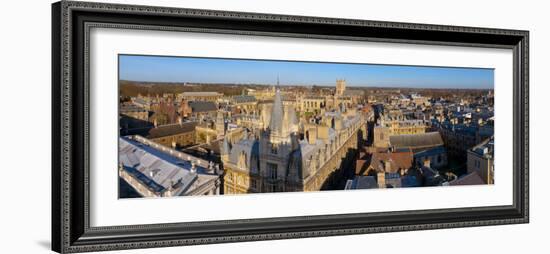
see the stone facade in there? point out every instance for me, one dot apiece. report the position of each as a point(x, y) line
point(481, 160)
point(287, 155)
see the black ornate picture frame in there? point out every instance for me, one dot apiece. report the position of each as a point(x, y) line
point(71, 230)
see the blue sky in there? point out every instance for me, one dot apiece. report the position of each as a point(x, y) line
point(219, 70)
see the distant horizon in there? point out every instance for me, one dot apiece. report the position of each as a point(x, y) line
point(295, 85)
point(173, 69)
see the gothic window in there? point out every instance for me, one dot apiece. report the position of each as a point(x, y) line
point(272, 170)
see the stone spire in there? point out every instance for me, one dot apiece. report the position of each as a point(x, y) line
point(277, 114)
point(220, 124)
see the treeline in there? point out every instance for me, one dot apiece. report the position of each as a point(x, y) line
point(133, 88)
point(433, 92)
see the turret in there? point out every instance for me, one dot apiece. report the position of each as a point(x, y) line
point(226, 150)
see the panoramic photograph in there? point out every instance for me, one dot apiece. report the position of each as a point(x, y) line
point(191, 126)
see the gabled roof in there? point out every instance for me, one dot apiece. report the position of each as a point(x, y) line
point(397, 160)
point(423, 140)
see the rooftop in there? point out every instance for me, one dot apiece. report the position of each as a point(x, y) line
point(131, 108)
point(170, 129)
point(160, 171)
point(243, 98)
point(362, 182)
point(423, 140)
point(485, 148)
point(203, 106)
point(397, 160)
point(201, 94)
point(431, 152)
point(472, 178)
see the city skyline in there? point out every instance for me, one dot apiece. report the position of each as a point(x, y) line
point(172, 69)
point(237, 137)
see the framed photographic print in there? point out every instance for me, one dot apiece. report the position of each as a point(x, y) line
point(181, 126)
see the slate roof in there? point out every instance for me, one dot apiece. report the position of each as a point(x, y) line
point(472, 178)
point(161, 171)
point(243, 98)
point(202, 106)
point(431, 152)
point(250, 148)
point(364, 182)
point(410, 181)
point(170, 130)
point(423, 140)
point(153, 168)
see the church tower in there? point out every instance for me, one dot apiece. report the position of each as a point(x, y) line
point(220, 124)
point(340, 87)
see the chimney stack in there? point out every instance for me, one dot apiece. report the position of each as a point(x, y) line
point(381, 179)
point(312, 135)
point(193, 167)
point(322, 132)
point(211, 166)
point(387, 165)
